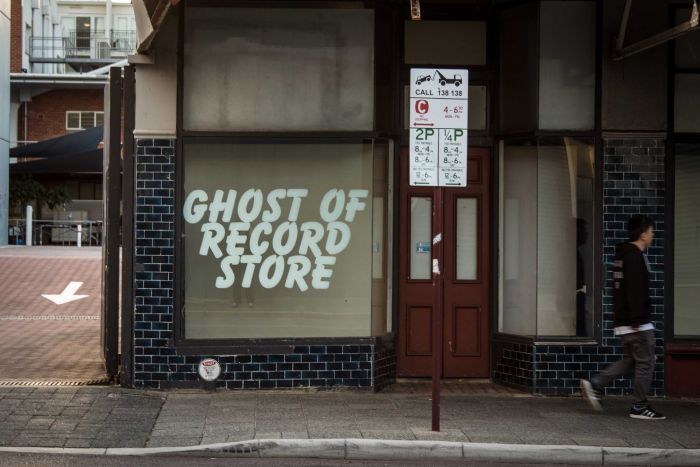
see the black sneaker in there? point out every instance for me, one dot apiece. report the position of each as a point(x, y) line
point(645, 412)
point(592, 395)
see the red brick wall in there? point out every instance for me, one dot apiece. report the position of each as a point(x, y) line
point(47, 112)
point(15, 36)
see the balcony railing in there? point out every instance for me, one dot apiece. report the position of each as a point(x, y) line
point(82, 46)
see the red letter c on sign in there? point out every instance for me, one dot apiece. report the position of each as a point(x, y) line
point(422, 106)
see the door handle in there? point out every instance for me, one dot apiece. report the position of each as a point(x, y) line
point(449, 344)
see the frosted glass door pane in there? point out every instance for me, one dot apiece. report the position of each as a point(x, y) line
point(421, 219)
point(467, 219)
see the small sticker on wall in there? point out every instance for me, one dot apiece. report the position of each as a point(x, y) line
point(436, 266)
point(209, 369)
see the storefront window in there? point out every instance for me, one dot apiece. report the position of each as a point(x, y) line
point(686, 275)
point(278, 69)
point(547, 237)
point(285, 240)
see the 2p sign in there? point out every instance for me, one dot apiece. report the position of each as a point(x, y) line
point(438, 134)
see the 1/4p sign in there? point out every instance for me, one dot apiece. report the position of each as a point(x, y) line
point(438, 122)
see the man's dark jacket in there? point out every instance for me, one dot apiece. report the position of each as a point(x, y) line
point(631, 282)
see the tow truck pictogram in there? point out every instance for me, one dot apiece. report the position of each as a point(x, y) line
point(456, 79)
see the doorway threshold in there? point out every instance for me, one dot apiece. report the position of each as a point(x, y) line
point(461, 387)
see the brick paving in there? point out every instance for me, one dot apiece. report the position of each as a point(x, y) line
point(109, 416)
point(79, 417)
point(39, 340)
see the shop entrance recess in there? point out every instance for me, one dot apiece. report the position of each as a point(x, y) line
point(465, 270)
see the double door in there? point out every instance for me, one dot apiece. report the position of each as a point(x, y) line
point(466, 274)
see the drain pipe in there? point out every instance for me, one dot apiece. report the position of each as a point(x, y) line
point(25, 121)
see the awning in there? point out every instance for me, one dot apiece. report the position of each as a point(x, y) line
point(74, 143)
point(88, 162)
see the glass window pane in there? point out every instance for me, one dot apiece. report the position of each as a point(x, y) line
point(72, 120)
point(273, 249)
point(564, 241)
point(467, 218)
point(567, 65)
point(82, 32)
point(445, 42)
point(381, 255)
point(421, 234)
point(99, 25)
point(686, 281)
point(519, 241)
point(87, 119)
point(280, 69)
point(687, 99)
point(548, 268)
point(99, 116)
point(477, 108)
point(688, 45)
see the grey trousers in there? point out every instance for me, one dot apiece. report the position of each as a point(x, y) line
point(640, 357)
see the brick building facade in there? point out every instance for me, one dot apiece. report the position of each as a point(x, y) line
point(46, 113)
point(16, 46)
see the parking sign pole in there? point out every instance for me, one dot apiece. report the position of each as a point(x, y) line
point(438, 158)
point(438, 193)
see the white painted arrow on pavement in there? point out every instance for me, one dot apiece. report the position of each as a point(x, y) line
point(68, 294)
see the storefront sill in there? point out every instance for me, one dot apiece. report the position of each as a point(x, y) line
point(538, 342)
point(566, 342)
point(267, 346)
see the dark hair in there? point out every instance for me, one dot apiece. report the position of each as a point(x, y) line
point(637, 225)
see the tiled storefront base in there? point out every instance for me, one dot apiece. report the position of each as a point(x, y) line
point(307, 366)
point(157, 363)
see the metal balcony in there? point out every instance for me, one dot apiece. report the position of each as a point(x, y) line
point(90, 47)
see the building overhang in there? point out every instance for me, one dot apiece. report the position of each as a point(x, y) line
point(149, 15)
point(57, 81)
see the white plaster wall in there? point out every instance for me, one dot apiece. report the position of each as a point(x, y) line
point(4, 116)
point(156, 86)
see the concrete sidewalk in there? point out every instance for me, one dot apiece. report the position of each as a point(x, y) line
point(111, 417)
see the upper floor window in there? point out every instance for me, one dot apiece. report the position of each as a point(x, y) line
point(281, 69)
point(80, 120)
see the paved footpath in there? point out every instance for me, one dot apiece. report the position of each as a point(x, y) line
point(104, 416)
point(41, 340)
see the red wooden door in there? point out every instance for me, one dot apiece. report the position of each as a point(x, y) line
point(466, 214)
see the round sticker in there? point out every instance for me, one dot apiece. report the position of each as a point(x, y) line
point(209, 369)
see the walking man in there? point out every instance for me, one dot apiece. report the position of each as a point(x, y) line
point(632, 322)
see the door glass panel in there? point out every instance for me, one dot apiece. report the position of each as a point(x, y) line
point(466, 239)
point(421, 215)
point(82, 32)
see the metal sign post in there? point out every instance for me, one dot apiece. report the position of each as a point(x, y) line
point(438, 158)
point(438, 193)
